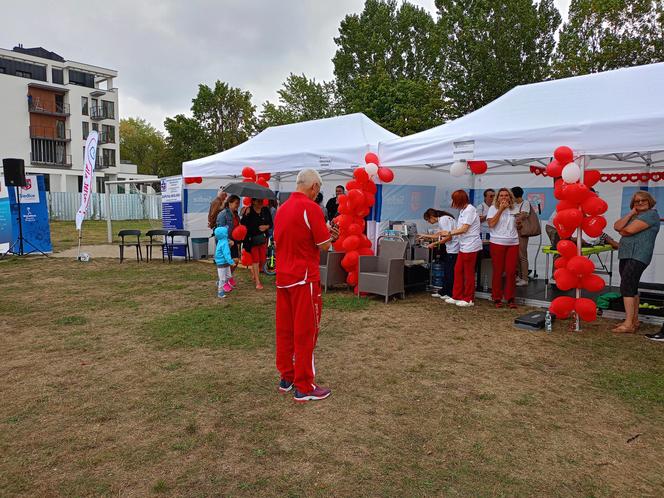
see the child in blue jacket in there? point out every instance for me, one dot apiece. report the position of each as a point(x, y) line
point(224, 260)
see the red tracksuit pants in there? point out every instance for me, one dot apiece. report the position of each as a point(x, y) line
point(298, 319)
point(464, 277)
point(504, 259)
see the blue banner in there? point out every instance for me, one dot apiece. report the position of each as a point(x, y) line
point(406, 202)
point(34, 216)
point(5, 219)
point(171, 207)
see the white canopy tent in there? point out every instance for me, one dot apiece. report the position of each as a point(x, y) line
point(618, 113)
point(326, 144)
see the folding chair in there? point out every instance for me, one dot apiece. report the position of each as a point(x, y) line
point(123, 243)
point(172, 244)
point(155, 241)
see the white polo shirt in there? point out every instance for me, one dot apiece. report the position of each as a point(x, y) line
point(504, 232)
point(469, 241)
point(448, 224)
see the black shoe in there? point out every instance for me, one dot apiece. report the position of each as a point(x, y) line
point(659, 336)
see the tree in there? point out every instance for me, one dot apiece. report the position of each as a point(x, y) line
point(599, 36)
point(143, 145)
point(223, 117)
point(493, 47)
point(386, 66)
point(300, 99)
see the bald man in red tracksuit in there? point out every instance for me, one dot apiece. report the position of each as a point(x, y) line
point(300, 233)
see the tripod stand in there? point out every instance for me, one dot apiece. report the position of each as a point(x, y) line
point(21, 241)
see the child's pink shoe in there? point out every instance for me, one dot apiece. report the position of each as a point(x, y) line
point(232, 282)
point(227, 287)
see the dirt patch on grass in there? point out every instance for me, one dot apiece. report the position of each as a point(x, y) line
point(137, 380)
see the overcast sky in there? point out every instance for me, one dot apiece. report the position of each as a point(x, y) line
point(162, 49)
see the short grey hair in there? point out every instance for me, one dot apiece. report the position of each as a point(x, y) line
point(307, 177)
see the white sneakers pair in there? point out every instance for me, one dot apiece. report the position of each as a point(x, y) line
point(460, 303)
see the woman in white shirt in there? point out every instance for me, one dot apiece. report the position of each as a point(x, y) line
point(446, 223)
point(504, 245)
point(467, 233)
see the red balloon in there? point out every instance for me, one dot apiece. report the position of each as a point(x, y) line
point(386, 175)
point(576, 192)
point(266, 202)
point(586, 309)
point(364, 212)
point(592, 283)
point(355, 229)
point(344, 221)
point(560, 262)
point(248, 172)
point(356, 199)
point(562, 205)
point(239, 232)
point(370, 187)
point(369, 199)
point(351, 243)
point(564, 155)
point(562, 306)
point(249, 180)
point(580, 265)
point(567, 248)
point(370, 157)
point(262, 183)
point(554, 169)
point(349, 261)
point(594, 206)
point(565, 279)
point(360, 174)
point(593, 226)
point(264, 176)
point(591, 177)
point(478, 167)
point(351, 279)
point(188, 181)
point(353, 184)
point(559, 192)
point(246, 259)
point(246, 201)
point(365, 251)
point(338, 245)
point(568, 220)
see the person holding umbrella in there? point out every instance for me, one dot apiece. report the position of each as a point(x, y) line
point(258, 221)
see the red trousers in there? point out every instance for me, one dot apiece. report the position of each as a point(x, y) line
point(464, 277)
point(298, 319)
point(505, 259)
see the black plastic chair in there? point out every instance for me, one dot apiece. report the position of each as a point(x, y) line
point(123, 243)
point(155, 242)
point(170, 245)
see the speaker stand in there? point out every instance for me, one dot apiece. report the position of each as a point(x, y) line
point(21, 241)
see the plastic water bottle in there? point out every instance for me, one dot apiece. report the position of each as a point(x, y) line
point(547, 322)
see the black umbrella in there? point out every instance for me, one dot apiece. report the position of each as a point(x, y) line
point(247, 189)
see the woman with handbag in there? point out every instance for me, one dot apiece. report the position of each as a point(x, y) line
point(258, 221)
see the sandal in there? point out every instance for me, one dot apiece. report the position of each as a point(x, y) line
point(259, 287)
point(624, 329)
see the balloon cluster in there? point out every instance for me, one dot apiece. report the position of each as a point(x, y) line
point(459, 168)
point(578, 208)
point(193, 179)
point(354, 206)
point(249, 175)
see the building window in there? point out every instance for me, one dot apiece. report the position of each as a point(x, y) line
point(95, 126)
point(23, 74)
point(57, 76)
point(84, 106)
point(108, 109)
point(100, 185)
point(3, 70)
point(108, 134)
point(86, 129)
point(109, 157)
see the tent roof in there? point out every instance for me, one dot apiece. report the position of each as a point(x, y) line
point(327, 144)
point(620, 111)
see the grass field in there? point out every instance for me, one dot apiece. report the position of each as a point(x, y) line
point(64, 234)
point(135, 380)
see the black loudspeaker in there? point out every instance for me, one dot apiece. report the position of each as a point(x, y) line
point(14, 172)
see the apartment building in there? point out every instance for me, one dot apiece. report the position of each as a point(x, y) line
point(49, 105)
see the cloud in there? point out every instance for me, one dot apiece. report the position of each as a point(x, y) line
point(162, 49)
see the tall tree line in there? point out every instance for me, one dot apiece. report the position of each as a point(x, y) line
point(409, 71)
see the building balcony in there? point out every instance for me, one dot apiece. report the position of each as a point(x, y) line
point(104, 163)
point(106, 138)
point(36, 107)
point(49, 133)
point(99, 113)
point(57, 160)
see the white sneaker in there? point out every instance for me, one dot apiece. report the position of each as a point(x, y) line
point(435, 294)
point(445, 297)
point(464, 304)
point(521, 282)
point(450, 300)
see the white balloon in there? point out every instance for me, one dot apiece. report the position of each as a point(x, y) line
point(371, 168)
point(458, 168)
point(571, 173)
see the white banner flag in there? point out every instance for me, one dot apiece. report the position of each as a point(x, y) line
point(88, 175)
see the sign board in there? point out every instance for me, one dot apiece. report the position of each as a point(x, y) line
point(171, 207)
